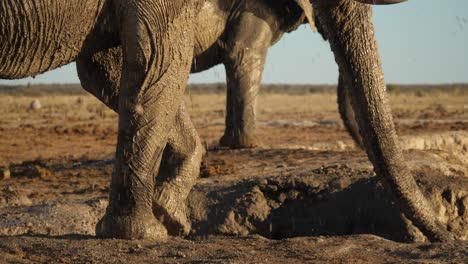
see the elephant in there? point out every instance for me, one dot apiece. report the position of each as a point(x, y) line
point(245, 71)
point(230, 36)
point(158, 151)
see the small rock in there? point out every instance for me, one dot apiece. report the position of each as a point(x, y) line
point(207, 171)
point(341, 145)
point(35, 105)
point(263, 182)
point(5, 173)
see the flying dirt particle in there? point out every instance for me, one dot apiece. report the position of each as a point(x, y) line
point(35, 105)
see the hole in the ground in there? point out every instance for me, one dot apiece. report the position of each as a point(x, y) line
point(363, 207)
point(334, 202)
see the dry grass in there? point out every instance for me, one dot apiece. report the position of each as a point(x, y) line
point(418, 102)
point(84, 107)
point(58, 107)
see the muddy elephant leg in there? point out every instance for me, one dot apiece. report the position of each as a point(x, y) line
point(180, 167)
point(347, 113)
point(244, 62)
point(152, 85)
point(181, 158)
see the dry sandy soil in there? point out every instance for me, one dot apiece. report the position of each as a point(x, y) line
point(308, 195)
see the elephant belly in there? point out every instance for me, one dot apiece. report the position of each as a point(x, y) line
point(211, 23)
point(209, 58)
point(40, 35)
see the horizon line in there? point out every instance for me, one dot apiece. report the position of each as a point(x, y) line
point(267, 83)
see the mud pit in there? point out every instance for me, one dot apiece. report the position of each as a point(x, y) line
point(307, 195)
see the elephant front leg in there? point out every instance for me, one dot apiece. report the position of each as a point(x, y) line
point(246, 53)
point(152, 84)
point(180, 164)
point(179, 170)
point(241, 103)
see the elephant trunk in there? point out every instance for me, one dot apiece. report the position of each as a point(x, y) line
point(348, 27)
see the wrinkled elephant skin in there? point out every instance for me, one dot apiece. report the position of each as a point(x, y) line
point(230, 32)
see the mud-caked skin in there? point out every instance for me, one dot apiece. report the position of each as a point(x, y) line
point(158, 152)
point(236, 33)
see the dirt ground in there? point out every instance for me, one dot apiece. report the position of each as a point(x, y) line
point(308, 195)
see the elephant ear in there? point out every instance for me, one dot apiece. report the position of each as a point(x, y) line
point(306, 7)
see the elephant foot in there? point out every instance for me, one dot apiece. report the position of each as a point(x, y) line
point(170, 209)
point(131, 227)
point(239, 142)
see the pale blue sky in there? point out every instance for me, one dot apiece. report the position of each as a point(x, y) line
point(420, 41)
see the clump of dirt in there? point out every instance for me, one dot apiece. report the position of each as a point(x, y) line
point(216, 167)
point(32, 169)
